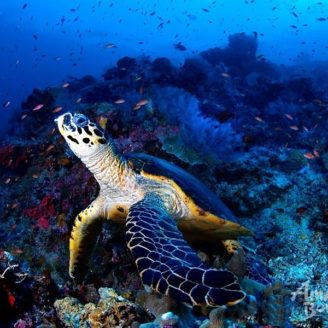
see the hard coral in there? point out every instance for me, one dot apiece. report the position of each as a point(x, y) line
point(111, 311)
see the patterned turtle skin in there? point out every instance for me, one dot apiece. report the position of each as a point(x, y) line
point(165, 209)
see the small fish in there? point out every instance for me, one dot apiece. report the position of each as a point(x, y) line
point(7, 180)
point(305, 128)
point(110, 46)
point(23, 117)
point(321, 19)
point(38, 107)
point(52, 131)
point(78, 100)
point(294, 127)
point(65, 85)
point(50, 148)
point(57, 109)
point(64, 161)
point(136, 107)
point(180, 46)
point(308, 155)
point(24, 6)
point(316, 153)
point(290, 117)
point(35, 176)
point(119, 101)
point(293, 26)
point(225, 74)
point(259, 119)
point(142, 102)
point(6, 104)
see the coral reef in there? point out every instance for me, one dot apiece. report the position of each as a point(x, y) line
point(112, 310)
point(253, 131)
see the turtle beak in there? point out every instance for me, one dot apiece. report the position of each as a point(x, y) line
point(65, 123)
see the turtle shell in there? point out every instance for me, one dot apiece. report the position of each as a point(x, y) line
point(201, 195)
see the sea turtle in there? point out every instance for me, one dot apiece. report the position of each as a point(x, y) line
point(165, 209)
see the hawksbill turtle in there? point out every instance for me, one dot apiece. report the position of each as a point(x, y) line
point(165, 208)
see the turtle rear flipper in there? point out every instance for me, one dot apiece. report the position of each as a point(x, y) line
point(168, 264)
point(86, 230)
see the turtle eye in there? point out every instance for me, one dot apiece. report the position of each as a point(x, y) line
point(80, 120)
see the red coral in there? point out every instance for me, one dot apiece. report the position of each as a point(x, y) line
point(47, 205)
point(43, 222)
point(43, 212)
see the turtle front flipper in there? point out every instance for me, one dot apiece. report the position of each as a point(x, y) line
point(86, 229)
point(168, 265)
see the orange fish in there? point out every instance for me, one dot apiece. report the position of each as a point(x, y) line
point(57, 109)
point(49, 148)
point(38, 107)
point(309, 155)
point(142, 102)
point(316, 153)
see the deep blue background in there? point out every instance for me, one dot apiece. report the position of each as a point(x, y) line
point(46, 42)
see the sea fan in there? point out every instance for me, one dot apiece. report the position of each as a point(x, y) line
point(207, 137)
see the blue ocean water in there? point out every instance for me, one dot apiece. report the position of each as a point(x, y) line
point(233, 92)
point(43, 44)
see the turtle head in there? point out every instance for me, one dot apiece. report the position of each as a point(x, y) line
point(85, 138)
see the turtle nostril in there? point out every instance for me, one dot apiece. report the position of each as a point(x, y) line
point(80, 120)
